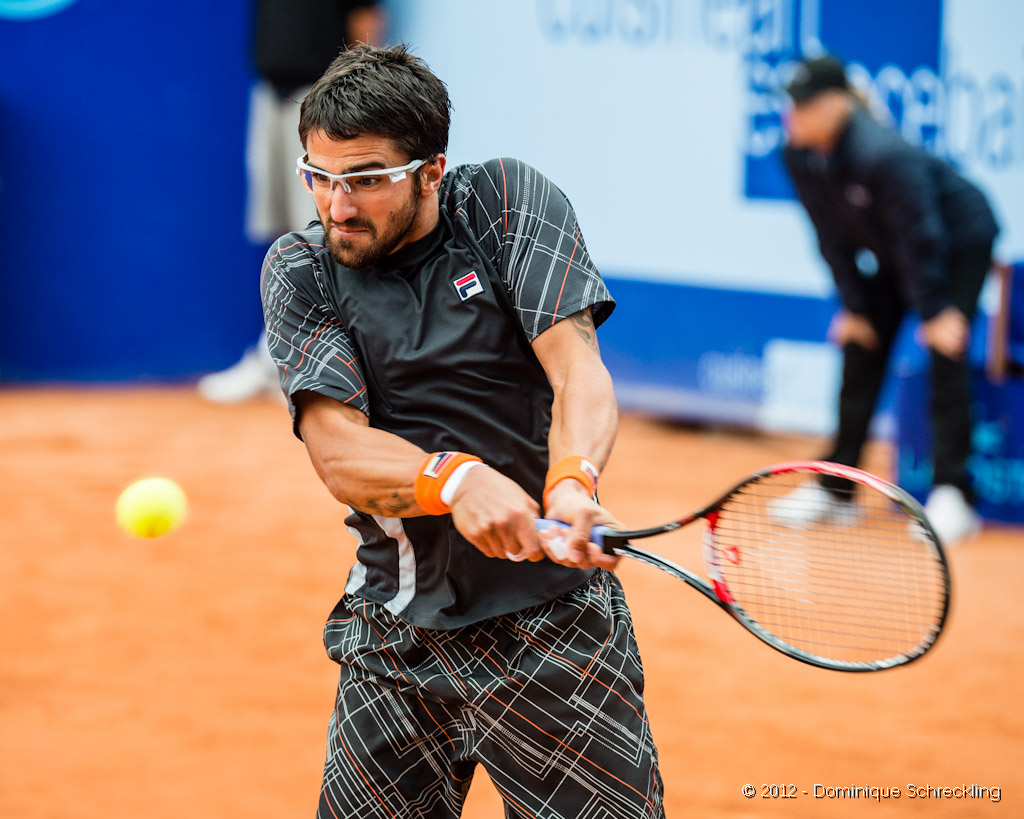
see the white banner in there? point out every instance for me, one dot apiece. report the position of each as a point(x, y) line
point(641, 111)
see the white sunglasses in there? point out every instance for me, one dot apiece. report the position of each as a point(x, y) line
point(366, 181)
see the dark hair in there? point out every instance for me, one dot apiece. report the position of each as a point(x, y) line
point(382, 92)
point(816, 75)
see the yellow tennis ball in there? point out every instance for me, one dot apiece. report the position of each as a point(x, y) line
point(151, 507)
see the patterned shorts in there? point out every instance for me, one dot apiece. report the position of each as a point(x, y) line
point(548, 699)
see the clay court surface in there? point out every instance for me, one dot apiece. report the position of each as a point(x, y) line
point(185, 676)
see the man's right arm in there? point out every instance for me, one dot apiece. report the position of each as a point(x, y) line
point(375, 472)
point(368, 469)
point(839, 257)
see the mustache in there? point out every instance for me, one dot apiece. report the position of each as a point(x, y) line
point(350, 224)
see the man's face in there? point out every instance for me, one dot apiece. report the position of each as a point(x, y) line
point(814, 123)
point(803, 124)
point(378, 216)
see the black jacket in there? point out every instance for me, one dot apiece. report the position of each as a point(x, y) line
point(879, 192)
point(295, 40)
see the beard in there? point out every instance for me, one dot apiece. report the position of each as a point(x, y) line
point(370, 249)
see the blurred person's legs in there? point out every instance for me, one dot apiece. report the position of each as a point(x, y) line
point(828, 501)
point(949, 503)
point(275, 204)
point(863, 375)
point(252, 376)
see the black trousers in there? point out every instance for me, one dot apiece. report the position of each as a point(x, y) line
point(864, 371)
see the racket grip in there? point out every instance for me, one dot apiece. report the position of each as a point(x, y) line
point(597, 533)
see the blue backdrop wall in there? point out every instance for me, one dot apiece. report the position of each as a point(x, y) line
point(122, 252)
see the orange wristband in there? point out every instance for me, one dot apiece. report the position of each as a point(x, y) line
point(576, 467)
point(434, 473)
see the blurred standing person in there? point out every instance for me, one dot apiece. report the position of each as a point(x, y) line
point(293, 43)
point(931, 233)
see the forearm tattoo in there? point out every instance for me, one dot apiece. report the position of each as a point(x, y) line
point(583, 324)
point(392, 507)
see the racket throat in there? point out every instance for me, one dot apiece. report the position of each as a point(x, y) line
point(711, 558)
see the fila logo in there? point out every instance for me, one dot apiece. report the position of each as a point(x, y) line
point(435, 466)
point(468, 285)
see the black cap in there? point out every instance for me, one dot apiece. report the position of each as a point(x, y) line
point(811, 77)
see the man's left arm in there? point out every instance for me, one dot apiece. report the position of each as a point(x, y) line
point(584, 420)
point(529, 229)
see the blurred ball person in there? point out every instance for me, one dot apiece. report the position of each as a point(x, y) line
point(293, 43)
point(930, 234)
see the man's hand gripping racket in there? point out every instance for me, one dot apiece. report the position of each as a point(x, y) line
point(854, 581)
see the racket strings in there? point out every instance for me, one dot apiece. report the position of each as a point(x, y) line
point(856, 579)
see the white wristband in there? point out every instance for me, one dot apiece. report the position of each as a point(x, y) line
point(450, 485)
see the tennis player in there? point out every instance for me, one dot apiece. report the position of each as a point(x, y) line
point(435, 335)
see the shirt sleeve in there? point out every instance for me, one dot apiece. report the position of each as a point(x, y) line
point(529, 229)
point(310, 346)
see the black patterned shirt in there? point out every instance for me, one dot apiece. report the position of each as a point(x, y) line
point(435, 346)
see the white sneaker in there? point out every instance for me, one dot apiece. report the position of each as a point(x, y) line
point(255, 374)
point(951, 515)
point(811, 503)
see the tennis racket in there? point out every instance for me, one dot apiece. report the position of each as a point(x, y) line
point(852, 578)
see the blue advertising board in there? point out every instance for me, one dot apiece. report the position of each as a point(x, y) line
point(892, 51)
point(996, 466)
point(122, 188)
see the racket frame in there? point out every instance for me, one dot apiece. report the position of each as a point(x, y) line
point(617, 542)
